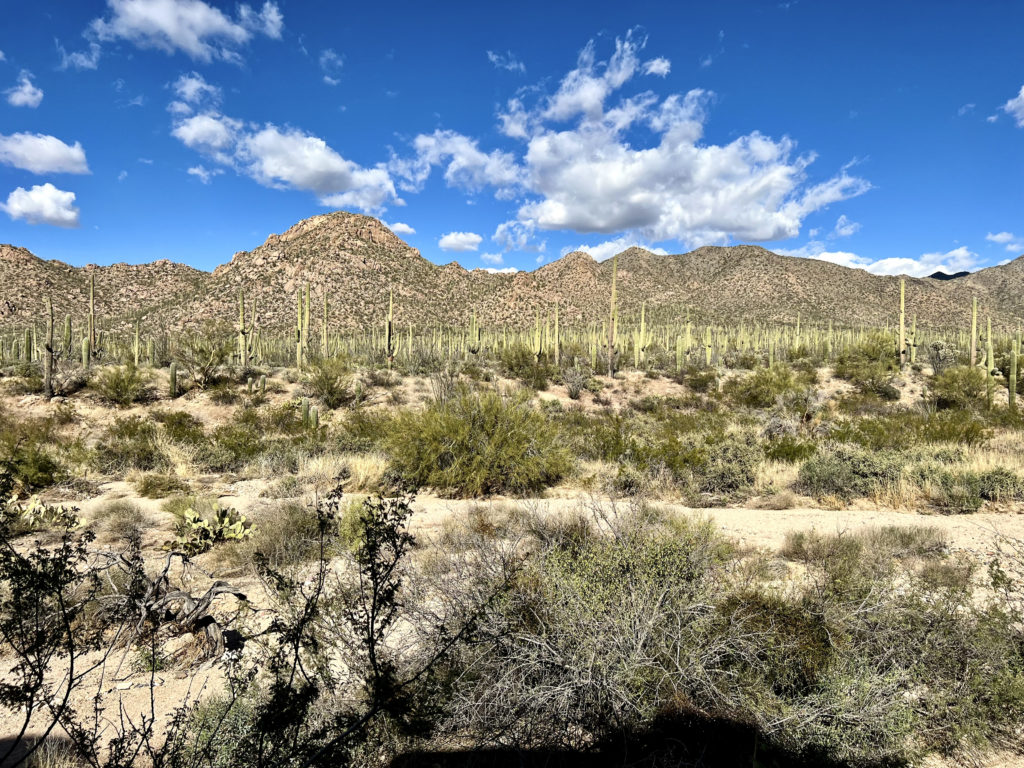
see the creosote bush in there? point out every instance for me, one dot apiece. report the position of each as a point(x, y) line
point(476, 444)
point(848, 472)
point(959, 387)
point(122, 385)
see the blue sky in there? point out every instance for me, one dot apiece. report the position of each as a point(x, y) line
point(888, 136)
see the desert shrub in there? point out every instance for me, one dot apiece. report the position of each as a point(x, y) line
point(283, 535)
point(871, 365)
point(478, 444)
point(180, 426)
point(519, 362)
point(364, 430)
point(575, 379)
point(119, 519)
point(157, 486)
point(27, 453)
point(235, 443)
point(122, 385)
point(620, 632)
point(223, 392)
point(960, 386)
point(607, 435)
point(704, 460)
point(129, 443)
point(763, 387)
point(1000, 484)
point(699, 379)
point(202, 354)
point(330, 381)
point(847, 472)
point(904, 429)
point(791, 449)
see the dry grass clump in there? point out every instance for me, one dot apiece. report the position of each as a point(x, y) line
point(118, 520)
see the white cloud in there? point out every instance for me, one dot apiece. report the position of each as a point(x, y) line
point(956, 260)
point(492, 258)
point(659, 66)
point(1015, 108)
point(845, 228)
point(607, 249)
point(460, 242)
point(268, 21)
point(1000, 237)
point(25, 93)
point(39, 153)
point(506, 61)
point(401, 228)
point(43, 204)
point(501, 271)
point(122, 175)
point(991, 118)
point(193, 27)
point(466, 165)
point(204, 174)
point(281, 158)
point(331, 63)
point(965, 109)
point(2, 57)
point(79, 59)
point(208, 132)
point(193, 89)
point(639, 164)
point(1010, 241)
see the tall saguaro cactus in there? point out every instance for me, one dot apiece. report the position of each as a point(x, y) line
point(92, 316)
point(48, 352)
point(902, 349)
point(389, 330)
point(613, 320)
point(974, 331)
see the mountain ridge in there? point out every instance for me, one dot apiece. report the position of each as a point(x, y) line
point(356, 261)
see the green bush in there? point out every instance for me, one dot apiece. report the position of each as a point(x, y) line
point(478, 444)
point(960, 386)
point(519, 362)
point(848, 472)
point(27, 453)
point(156, 486)
point(763, 387)
point(871, 365)
point(181, 427)
point(905, 429)
point(122, 385)
point(129, 443)
point(330, 381)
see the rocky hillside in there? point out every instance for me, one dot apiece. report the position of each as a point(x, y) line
point(356, 261)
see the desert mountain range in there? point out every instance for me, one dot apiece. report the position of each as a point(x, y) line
point(356, 261)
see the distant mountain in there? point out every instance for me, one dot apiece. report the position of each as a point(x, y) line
point(356, 262)
point(940, 275)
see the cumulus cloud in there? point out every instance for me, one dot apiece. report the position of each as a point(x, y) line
point(956, 260)
point(283, 158)
point(465, 164)
point(89, 59)
point(507, 61)
point(401, 228)
point(1015, 108)
point(42, 204)
point(460, 242)
point(203, 173)
point(39, 153)
point(192, 27)
point(193, 89)
point(585, 165)
point(845, 228)
point(659, 66)
point(502, 270)
point(1009, 240)
point(492, 258)
point(605, 250)
point(25, 93)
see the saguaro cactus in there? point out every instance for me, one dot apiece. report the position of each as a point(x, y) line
point(902, 349)
point(48, 352)
point(613, 321)
point(974, 331)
